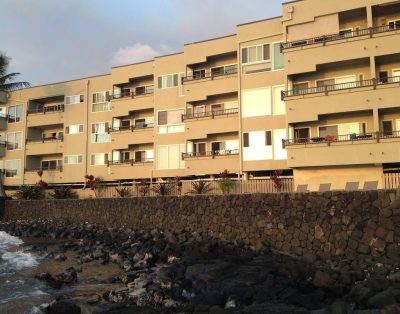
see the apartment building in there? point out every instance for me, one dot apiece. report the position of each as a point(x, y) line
point(314, 92)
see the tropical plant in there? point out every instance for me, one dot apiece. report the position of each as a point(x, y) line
point(94, 184)
point(200, 187)
point(164, 188)
point(29, 192)
point(6, 80)
point(41, 183)
point(178, 185)
point(225, 183)
point(124, 191)
point(276, 178)
point(143, 188)
point(63, 192)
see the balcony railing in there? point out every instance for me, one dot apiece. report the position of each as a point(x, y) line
point(131, 128)
point(47, 109)
point(44, 169)
point(45, 139)
point(214, 153)
point(210, 114)
point(354, 137)
point(211, 75)
point(339, 36)
point(129, 162)
point(343, 86)
point(131, 94)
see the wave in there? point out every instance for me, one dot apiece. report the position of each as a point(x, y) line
point(7, 241)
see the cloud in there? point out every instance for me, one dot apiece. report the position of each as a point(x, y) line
point(132, 54)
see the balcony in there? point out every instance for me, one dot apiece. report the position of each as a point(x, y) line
point(123, 103)
point(130, 169)
point(53, 115)
point(307, 104)
point(49, 175)
point(351, 149)
point(3, 122)
point(199, 125)
point(199, 87)
point(44, 146)
point(303, 56)
point(137, 135)
point(211, 162)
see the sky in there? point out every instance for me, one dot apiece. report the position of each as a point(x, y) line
point(59, 40)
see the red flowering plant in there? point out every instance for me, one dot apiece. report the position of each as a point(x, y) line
point(330, 138)
point(276, 178)
point(225, 183)
point(143, 187)
point(94, 184)
point(41, 183)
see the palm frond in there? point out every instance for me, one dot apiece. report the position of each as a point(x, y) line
point(9, 87)
point(8, 77)
point(4, 62)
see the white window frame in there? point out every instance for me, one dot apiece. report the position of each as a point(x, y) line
point(166, 77)
point(106, 102)
point(397, 77)
point(93, 154)
point(65, 162)
point(73, 125)
point(22, 140)
point(22, 113)
point(18, 175)
point(224, 66)
point(59, 163)
point(272, 54)
point(394, 21)
point(105, 132)
point(180, 160)
point(74, 103)
point(170, 126)
point(256, 62)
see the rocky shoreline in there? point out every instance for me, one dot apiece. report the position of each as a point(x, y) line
point(167, 272)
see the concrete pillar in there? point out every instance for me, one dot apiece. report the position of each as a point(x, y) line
point(370, 20)
point(372, 65)
point(376, 120)
point(245, 176)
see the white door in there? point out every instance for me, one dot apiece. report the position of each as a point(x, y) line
point(345, 130)
point(397, 127)
point(116, 156)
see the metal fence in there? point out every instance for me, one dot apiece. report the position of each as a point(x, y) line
point(239, 187)
point(391, 180)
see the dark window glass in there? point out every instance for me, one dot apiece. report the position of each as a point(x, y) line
point(268, 138)
point(246, 142)
point(162, 118)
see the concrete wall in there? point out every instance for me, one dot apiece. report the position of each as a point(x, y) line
point(324, 225)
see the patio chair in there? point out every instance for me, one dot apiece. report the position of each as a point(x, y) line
point(302, 188)
point(324, 187)
point(352, 186)
point(370, 185)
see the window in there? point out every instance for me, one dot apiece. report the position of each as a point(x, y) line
point(100, 132)
point(255, 54)
point(300, 88)
point(198, 74)
point(278, 57)
point(73, 159)
point(383, 77)
point(387, 127)
point(301, 134)
point(15, 113)
point(200, 149)
point(14, 140)
point(256, 102)
point(143, 90)
point(394, 24)
point(257, 145)
point(170, 156)
point(170, 121)
point(217, 108)
point(99, 159)
point(140, 156)
point(100, 101)
point(331, 130)
point(224, 70)
point(346, 33)
point(125, 124)
point(13, 168)
point(74, 129)
point(53, 136)
point(75, 99)
point(396, 75)
point(51, 164)
point(168, 81)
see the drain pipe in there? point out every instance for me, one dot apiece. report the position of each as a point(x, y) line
point(240, 109)
point(88, 134)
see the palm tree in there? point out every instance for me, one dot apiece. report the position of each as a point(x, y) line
point(6, 80)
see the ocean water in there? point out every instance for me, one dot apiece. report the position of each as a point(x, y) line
point(19, 291)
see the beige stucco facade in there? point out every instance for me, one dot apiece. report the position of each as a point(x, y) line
point(313, 92)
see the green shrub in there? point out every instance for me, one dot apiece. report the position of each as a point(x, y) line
point(30, 192)
point(63, 192)
point(200, 187)
point(226, 184)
